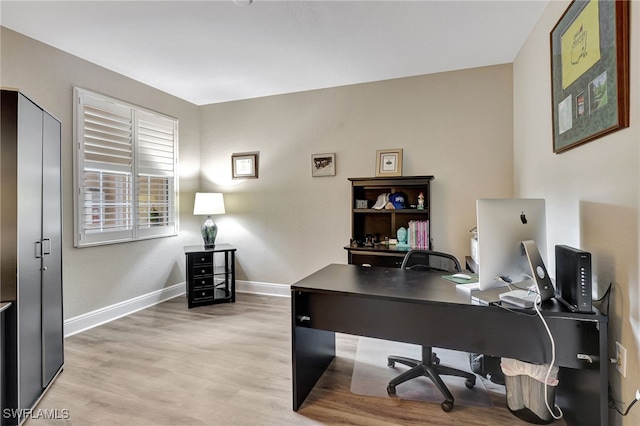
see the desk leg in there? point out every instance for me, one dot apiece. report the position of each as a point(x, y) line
point(584, 393)
point(313, 350)
point(580, 395)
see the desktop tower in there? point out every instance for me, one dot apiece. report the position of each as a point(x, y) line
point(573, 278)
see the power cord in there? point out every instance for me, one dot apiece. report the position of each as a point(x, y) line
point(536, 306)
point(505, 280)
point(614, 404)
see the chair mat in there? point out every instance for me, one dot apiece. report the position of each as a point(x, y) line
point(371, 374)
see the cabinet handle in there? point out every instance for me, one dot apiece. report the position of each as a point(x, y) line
point(38, 249)
point(46, 246)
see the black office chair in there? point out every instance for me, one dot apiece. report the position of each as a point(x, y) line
point(429, 366)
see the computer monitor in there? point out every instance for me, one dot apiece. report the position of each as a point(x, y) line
point(502, 226)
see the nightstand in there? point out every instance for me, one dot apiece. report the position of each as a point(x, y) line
point(211, 274)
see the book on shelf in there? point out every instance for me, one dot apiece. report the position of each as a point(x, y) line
point(418, 234)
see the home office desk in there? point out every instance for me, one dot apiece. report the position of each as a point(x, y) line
point(423, 308)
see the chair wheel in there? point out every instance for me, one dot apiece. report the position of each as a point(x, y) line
point(436, 360)
point(469, 383)
point(391, 363)
point(447, 406)
point(391, 390)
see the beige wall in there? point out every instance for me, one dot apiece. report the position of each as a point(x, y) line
point(286, 224)
point(592, 191)
point(97, 277)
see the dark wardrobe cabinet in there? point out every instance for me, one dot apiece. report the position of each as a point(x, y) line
point(30, 252)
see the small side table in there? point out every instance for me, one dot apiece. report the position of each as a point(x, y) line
point(210, 279)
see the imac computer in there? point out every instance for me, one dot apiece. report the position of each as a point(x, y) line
point(503, 226)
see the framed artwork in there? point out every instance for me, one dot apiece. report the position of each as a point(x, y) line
point(244, 165)
point(323, 164)
point(388, 162)
point(589, 72)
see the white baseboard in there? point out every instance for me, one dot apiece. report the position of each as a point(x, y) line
point(268, 289)
point(109, 313)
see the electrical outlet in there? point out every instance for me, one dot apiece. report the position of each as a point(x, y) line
point(621, 359)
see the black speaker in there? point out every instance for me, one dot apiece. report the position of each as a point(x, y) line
point(573, 278)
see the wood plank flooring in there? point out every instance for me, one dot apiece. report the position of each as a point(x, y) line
point(226, 365)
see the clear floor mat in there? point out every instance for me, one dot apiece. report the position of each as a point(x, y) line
point(371, 374)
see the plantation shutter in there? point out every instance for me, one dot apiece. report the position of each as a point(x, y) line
point(156, 173)
point(125, 171)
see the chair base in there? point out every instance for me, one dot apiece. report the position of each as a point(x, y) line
point(428, 367)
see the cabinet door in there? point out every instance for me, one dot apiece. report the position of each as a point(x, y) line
point(52, 319)
point(29, 251)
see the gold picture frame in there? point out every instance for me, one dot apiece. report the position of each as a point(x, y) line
point(389, 162)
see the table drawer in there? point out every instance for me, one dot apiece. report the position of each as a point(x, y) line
point(389, 261)
point(204, 294)
point(201, 282)
point(202, 271)
point(202, 259)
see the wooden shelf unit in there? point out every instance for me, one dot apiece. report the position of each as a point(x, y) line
point(385, 223)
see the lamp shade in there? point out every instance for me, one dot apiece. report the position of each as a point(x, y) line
point(208, 203)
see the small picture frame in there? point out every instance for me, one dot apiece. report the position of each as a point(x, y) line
point(362, 204)
point(244, 165)
point(388, 162)
point(323, 164)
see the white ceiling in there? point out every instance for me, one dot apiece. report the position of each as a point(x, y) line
point(216, 51)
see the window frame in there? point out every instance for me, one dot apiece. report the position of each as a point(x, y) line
point(146, 153)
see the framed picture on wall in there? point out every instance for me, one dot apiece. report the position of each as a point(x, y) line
point(388, 162)
point(244, 165)
point(323, 164)
point(589, 72)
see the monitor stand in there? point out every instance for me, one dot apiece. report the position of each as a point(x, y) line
point(538, 270)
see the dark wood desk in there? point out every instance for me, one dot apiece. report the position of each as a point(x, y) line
point(423, 308)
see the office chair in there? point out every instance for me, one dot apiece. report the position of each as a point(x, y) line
point(429, 366)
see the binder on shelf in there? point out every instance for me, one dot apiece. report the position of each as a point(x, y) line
point(419, 234)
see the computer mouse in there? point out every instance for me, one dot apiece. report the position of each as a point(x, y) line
point(463, 276)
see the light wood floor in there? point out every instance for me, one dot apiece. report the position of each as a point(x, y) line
point(224, 364)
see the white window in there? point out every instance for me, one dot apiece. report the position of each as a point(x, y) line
point(125, 160)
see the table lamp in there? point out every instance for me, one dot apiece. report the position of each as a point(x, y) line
point(208, 203)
